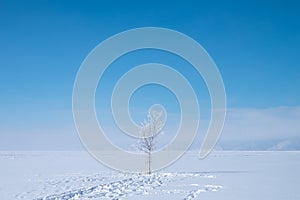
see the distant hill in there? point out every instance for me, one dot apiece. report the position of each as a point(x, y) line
point(287, 145)
point(265, 145)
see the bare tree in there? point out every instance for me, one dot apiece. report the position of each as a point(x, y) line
point(149, 130)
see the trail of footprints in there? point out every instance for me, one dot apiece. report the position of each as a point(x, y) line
point(195, 193)
point(113, 190)
point(106, 190)
point(120, 186)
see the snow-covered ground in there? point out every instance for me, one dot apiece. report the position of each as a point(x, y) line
point(222, 175)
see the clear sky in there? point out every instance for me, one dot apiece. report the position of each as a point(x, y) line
point(255, 45)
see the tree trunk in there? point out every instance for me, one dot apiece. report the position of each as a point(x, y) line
point(149, 162)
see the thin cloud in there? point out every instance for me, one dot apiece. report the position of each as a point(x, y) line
point(261, 124)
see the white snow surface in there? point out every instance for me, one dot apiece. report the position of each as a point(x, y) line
point(222, 175)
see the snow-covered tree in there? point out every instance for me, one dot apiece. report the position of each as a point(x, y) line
point(149, 131)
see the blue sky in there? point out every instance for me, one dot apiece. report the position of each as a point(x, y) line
point(255, 45)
